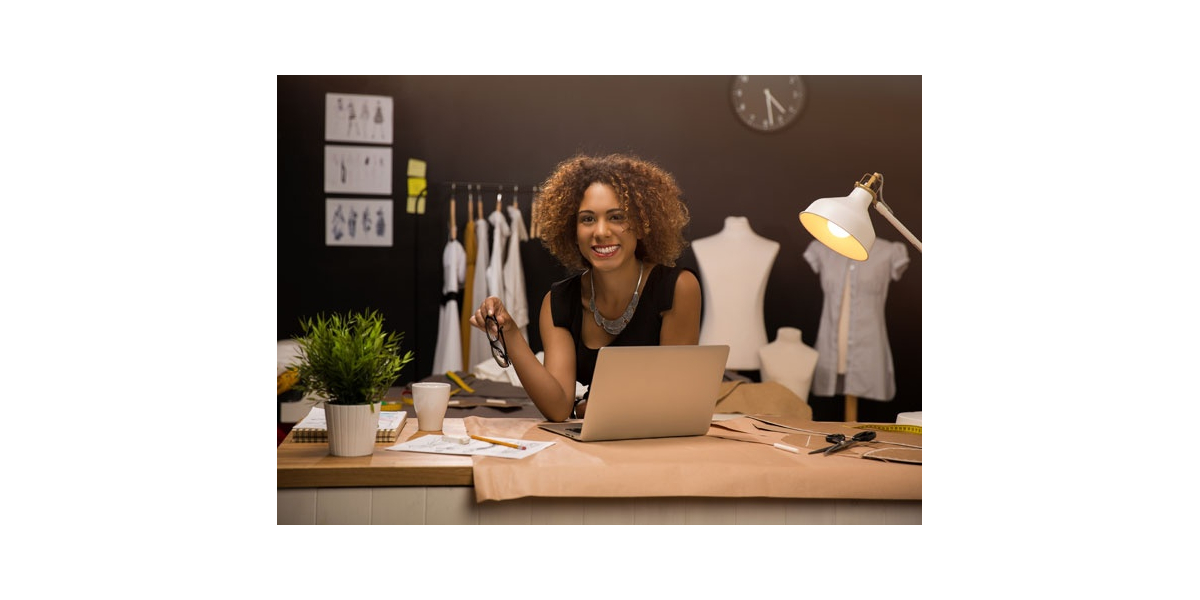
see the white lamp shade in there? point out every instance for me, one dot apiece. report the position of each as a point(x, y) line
point(842, 224)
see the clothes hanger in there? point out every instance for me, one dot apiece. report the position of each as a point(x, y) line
point(534, 230)
point(470, 206)
point(453, 221)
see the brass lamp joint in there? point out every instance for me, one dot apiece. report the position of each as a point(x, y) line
point(868, 182)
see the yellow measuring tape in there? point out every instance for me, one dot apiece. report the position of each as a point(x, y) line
point(458, 380)
point(890, 427)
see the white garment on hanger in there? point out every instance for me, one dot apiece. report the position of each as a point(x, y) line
point(448, 354)
point(868, 356)
point(514, 274)
point(480, 349)
point(495, 270)
point(734, 266)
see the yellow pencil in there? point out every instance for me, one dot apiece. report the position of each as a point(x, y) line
point(491, 441)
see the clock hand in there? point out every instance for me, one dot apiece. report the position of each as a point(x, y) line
point(771, 99)
point(768, 98)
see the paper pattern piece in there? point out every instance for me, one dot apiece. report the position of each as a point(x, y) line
point(358, 118)
point(351, 222)
point(440, 444)
point(358, 169)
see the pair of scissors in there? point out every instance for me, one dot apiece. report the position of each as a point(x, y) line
point(841, 442)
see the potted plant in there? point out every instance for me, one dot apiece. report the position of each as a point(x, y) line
point(350, 361)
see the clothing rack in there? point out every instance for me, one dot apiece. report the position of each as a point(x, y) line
point(505, 188)
point(477, 190)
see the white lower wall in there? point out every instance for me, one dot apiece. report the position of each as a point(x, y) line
point(457, 506)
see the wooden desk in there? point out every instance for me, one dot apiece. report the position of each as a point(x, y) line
point(309, 465)
point(410, 488)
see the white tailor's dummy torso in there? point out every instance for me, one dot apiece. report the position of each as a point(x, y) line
point(788, 361)
point(734, 266)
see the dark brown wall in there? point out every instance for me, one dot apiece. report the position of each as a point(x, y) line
point(515, 129)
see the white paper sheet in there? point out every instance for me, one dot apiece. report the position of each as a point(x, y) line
point(441, 444)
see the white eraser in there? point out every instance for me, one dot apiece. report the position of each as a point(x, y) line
point(457, 439)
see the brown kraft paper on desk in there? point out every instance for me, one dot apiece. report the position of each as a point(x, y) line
point(888, 446)
point(752, 430)
point(767, 398)
point(703, 466)
point(792, 425)
point(461, 401)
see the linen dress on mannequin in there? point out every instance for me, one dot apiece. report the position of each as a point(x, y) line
point(865, 353)
point(448, 354)
point(514, 273)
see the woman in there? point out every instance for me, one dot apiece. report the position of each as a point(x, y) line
point(618, 220)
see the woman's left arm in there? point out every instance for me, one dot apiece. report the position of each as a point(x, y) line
point(681, 324)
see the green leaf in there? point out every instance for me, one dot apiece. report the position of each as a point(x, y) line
point(350, 358)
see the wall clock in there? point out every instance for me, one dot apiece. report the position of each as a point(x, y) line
point(767, 102)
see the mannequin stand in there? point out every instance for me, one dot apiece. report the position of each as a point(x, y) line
point(851, 409)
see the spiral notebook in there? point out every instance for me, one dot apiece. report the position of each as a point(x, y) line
point(313, 427)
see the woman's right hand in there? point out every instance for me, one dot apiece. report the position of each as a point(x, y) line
point(492, 306)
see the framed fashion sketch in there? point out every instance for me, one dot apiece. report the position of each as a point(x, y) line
point(358, 118)
point(358, 170)
point(358, 222)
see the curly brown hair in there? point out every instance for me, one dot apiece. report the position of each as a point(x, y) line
point(648, 195)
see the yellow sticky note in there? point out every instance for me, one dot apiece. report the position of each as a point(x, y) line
point(412, 205)
point(416, 168)
point(421, 205)
point(416, 185)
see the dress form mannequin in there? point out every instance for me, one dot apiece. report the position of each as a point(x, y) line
point(855, 357)
point(734, 266)
point(788, 361)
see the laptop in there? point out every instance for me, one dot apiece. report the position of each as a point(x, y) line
point(649, 392)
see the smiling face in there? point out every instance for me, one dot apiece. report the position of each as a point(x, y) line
point(603, 229)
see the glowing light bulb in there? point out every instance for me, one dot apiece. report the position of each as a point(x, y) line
point(836, 231)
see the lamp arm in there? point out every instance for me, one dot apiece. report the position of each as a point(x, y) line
point(887, 214)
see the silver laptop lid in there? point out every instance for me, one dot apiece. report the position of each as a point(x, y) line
point(653, 391)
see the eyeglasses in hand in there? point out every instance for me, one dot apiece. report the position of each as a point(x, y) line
point(495, 337)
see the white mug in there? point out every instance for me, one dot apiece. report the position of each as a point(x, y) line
point(430, 399)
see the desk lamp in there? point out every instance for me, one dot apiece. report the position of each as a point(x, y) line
point(843, 223)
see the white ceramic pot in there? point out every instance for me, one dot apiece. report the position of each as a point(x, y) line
point(352, 428)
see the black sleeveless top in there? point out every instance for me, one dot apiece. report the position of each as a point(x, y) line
point(658, 296)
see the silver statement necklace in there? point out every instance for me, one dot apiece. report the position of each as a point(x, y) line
point(617, 325)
